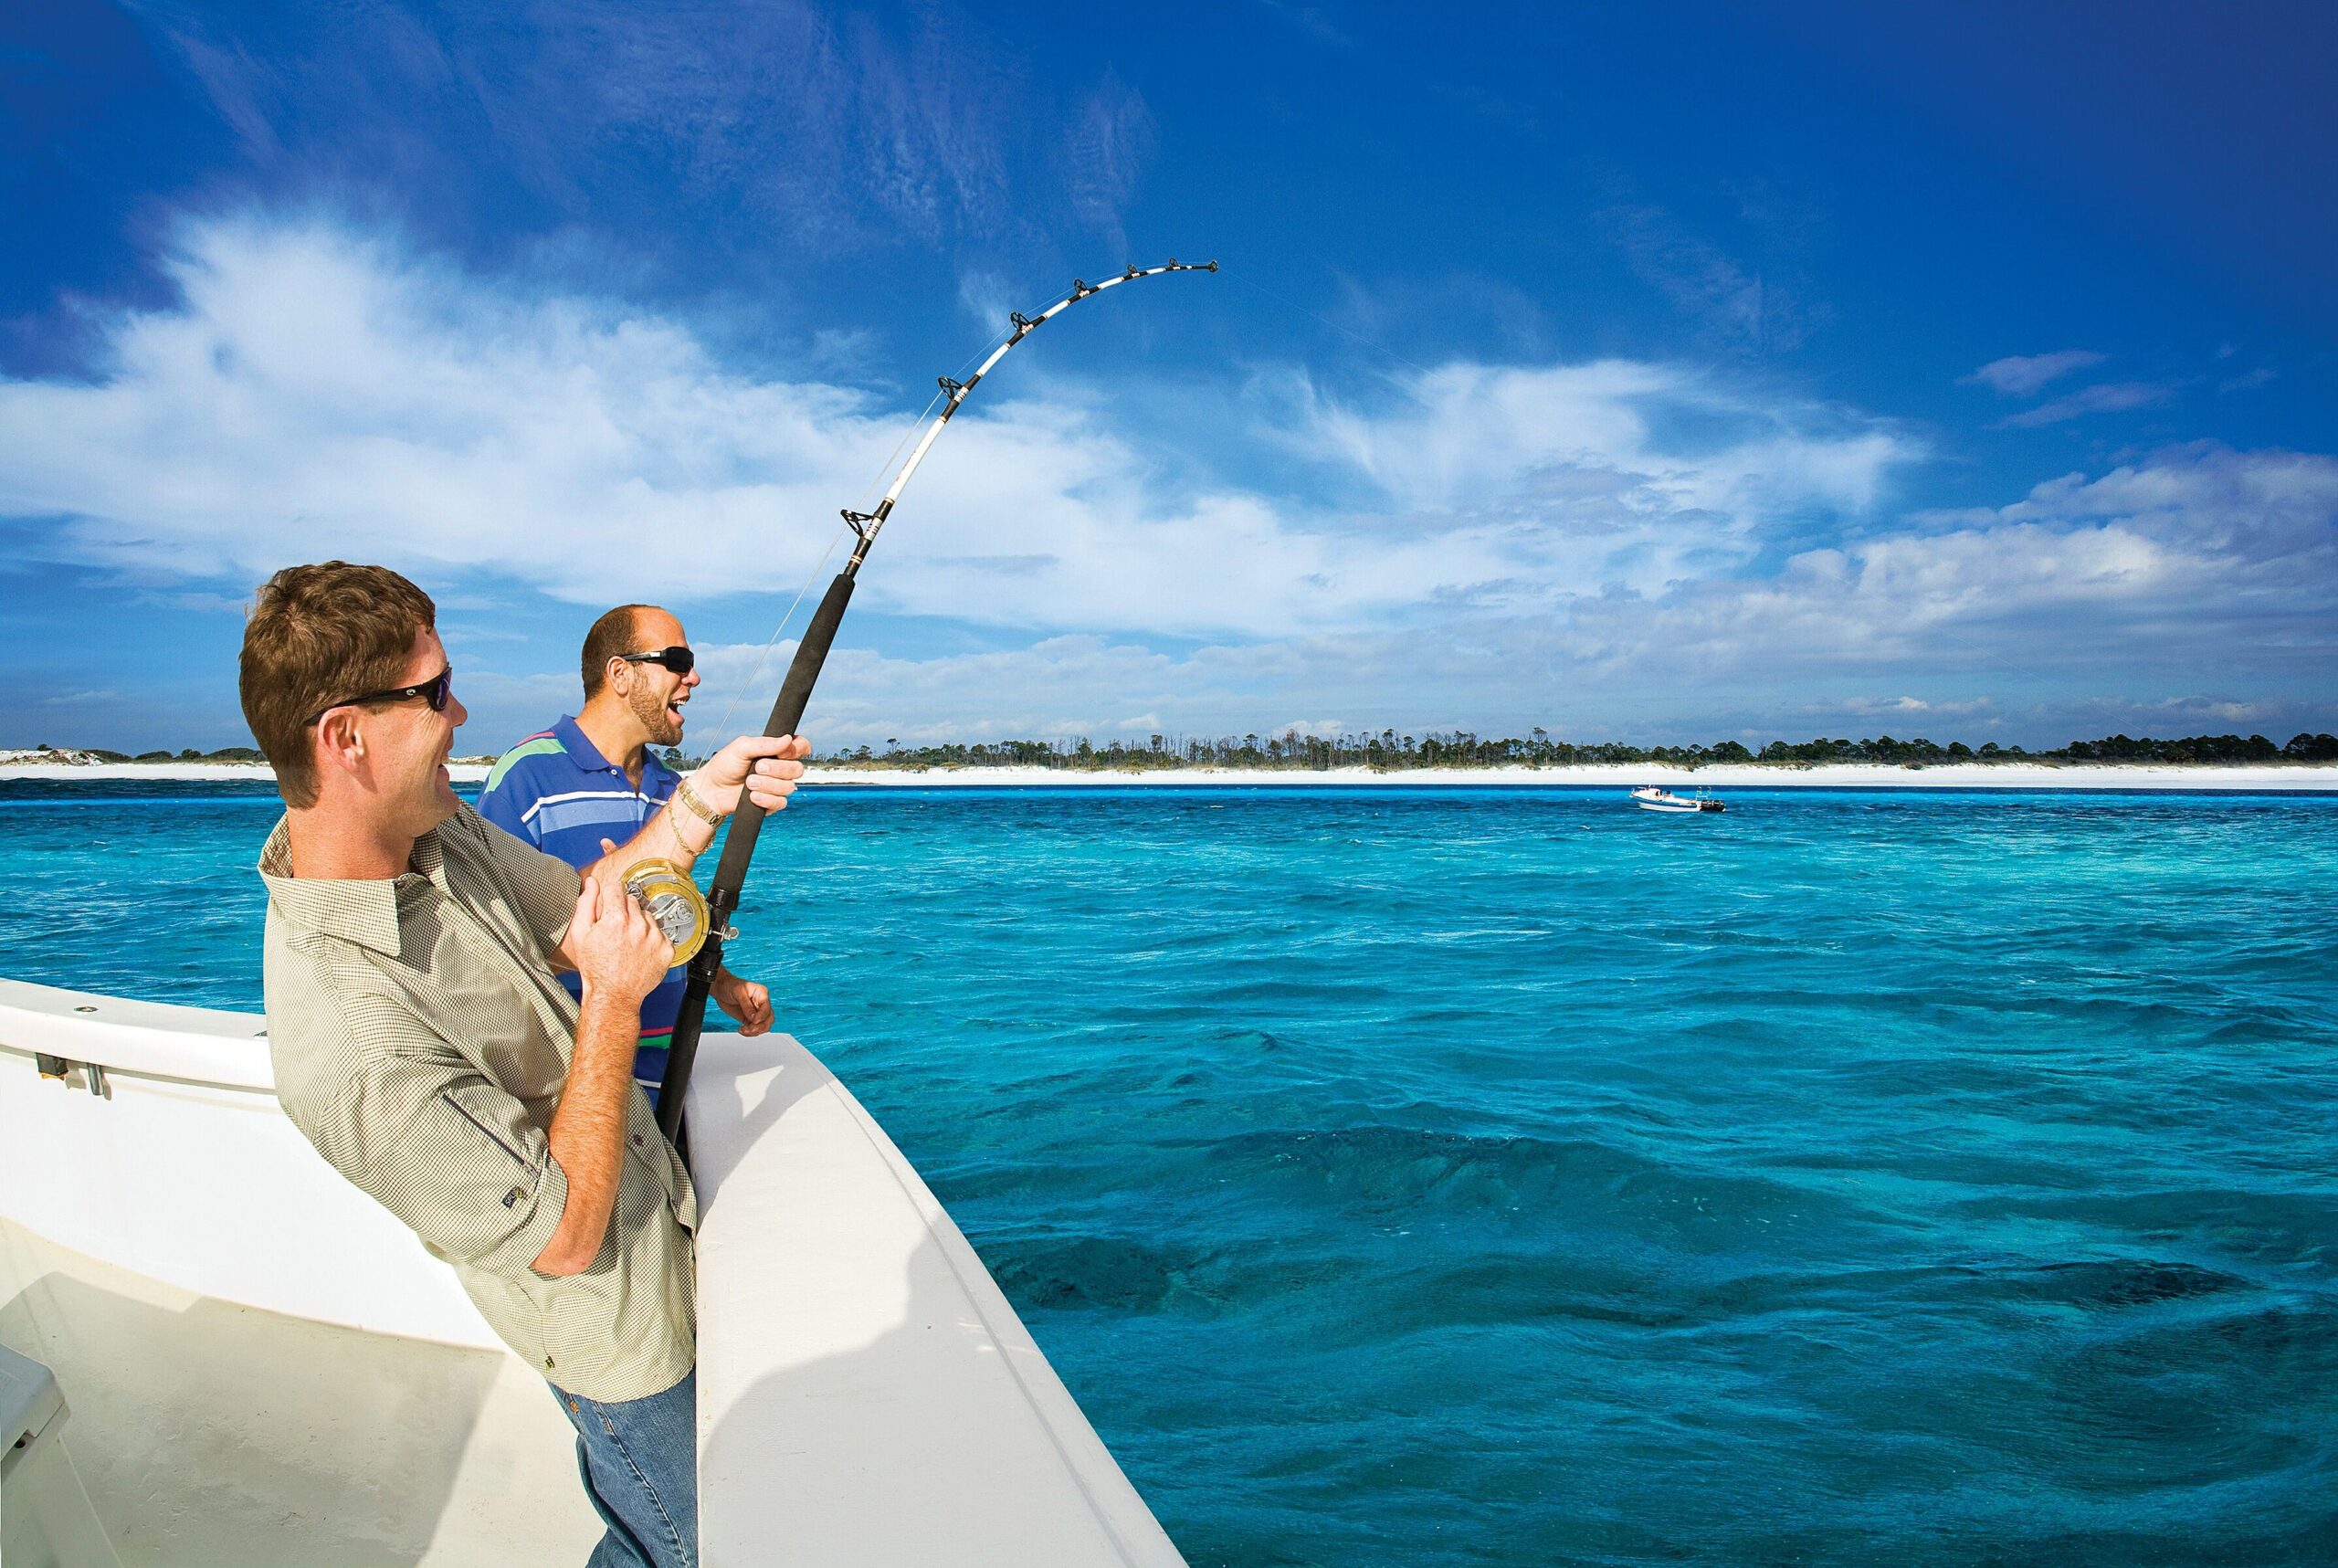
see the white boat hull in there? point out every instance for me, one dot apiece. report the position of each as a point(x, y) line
point(1650, 798)
point(263, 1368)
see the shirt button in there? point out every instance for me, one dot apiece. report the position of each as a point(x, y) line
point(637, 1139)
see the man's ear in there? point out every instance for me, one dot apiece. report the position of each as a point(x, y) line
point(616, 674)
point(340, 742)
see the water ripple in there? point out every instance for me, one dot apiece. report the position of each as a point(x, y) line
point(1507, 1178)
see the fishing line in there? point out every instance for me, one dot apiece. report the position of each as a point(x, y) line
point(708, 917)
point(722, 725)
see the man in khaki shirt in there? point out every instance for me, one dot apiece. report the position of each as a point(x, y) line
point(422, 1044)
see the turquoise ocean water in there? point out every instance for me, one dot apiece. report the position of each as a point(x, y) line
point(1495, 1177)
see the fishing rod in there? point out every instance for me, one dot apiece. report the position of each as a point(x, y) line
point(700, 925)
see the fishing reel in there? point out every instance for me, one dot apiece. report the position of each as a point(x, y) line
point(671, 900)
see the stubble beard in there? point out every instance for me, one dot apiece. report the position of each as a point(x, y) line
point(649, 709)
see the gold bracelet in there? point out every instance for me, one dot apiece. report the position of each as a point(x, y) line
point(697, 808)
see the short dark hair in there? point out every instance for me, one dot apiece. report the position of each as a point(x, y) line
point(316, 636)
point(612, 634)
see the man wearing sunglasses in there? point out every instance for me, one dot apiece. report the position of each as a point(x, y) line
point(594, 779)
point(422, 1045)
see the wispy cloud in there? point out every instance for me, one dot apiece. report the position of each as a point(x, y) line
point(1914, 707)
point(1733, 300)
point(1315, 21)
point(2110, 397)
point(784, 122)
point(1110, 138)
point(318, 392)
point(2199, 557)
point(2023, 375)
point(1585, 544)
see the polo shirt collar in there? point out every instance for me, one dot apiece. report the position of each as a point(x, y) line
point(587, 756)
point(362, 911)
point(580, 748)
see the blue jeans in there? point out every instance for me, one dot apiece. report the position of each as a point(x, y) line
point(640, 1460)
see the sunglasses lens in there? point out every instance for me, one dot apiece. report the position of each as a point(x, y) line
point(440, 689)
point(680, 660)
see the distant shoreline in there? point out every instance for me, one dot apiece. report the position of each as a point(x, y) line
point(2130, 777)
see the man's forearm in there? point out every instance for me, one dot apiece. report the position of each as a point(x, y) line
point(587, 1135)
point(673, 833)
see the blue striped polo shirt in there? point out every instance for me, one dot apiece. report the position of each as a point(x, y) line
point(554, 790)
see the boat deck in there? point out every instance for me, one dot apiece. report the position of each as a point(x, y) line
point(262, 1367)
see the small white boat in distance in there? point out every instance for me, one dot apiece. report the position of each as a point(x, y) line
point(1651, 798)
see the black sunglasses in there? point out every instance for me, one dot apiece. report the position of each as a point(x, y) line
point(433, 690)
point(678, 659)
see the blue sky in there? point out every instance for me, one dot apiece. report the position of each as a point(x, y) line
point(1641, 371)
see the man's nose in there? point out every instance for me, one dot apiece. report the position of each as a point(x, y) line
point(457, 715)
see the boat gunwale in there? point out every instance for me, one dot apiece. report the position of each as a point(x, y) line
point(167, 1042)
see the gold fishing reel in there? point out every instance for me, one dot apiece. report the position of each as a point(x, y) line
point(672, 900)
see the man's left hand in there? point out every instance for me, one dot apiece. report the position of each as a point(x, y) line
point(745, 1001)
point(762, 767)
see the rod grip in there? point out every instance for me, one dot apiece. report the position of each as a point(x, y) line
point(730, 873)
point(786, 713)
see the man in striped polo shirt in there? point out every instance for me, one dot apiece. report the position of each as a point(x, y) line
point(592, 780)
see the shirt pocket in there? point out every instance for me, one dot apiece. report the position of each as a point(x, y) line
point(485, 1109)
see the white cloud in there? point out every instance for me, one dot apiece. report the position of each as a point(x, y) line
point(2195, 557)
point(2022, 375)
point(1911, 707)
point(2107, 398)
point(318, 394)
point(1597, 546)
point(987, 296)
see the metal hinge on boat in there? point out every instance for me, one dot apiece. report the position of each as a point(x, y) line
point(94, 1076)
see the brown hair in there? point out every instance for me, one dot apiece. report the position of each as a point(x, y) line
point(612, 634)
point(317, 636)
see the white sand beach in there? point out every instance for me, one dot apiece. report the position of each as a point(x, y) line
point(2319, 778)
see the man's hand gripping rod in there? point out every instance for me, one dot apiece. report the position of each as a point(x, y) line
point(795, 693)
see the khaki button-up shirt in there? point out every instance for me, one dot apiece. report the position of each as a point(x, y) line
point(421, 1043)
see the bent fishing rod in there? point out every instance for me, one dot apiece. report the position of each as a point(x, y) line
point(672, 897)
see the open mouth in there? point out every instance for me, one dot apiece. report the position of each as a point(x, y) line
point(674, 709)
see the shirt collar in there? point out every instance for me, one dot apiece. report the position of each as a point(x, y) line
point(364, 911)
point(587, 756)
point(580, 748)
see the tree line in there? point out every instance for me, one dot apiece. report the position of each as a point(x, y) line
point(1390, 751)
